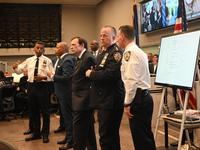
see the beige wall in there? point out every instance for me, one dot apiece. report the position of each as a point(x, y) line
point(114, 13)
point(78, 21)
point(86, 21)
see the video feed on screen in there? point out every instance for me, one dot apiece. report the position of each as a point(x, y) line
point(157, 14)
point(192, 8)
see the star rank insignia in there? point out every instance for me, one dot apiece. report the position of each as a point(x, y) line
point(127, 55)
point(117, 56)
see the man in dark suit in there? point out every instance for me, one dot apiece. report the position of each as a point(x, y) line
point(62, 86)
point(153, 65)
point(107, 90)
point(83, 124)
point(95, 48)
point(61, 127)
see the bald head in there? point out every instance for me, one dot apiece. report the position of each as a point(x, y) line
point(61, 48)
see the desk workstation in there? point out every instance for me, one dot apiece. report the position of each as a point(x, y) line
point(9, 102)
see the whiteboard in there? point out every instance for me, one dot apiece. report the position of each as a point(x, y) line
point(177, 60)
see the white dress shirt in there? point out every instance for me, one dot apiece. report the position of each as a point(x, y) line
point(45, 64)
point(58, 58)
point(81, 53)
point(134, 71)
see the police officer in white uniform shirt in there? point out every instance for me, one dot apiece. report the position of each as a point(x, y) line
point(138, 103)
point(38, 90)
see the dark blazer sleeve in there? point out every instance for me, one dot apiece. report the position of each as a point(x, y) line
point(64, 70)
point(151, 68)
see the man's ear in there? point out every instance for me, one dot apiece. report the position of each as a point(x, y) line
point(123, 37)
point(114, 37)
point(83, 45)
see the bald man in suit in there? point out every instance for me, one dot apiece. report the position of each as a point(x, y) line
point(62, 86)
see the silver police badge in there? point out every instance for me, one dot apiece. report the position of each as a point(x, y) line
point(117, 56)
point(127, 55)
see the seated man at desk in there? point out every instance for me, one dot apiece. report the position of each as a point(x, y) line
point(2, 78)
point(5, 80)
point(21, 96)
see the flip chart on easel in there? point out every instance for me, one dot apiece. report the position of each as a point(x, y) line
point(177, 60)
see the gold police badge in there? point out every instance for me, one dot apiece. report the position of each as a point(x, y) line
point(127, 55)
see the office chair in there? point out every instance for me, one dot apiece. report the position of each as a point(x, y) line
point(53, 103)
point(7, 104)
point(8, 80)
point(25, 110)
point(5, 145)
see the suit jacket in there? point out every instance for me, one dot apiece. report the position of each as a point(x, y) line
point(98, 53)
point(81, 83)
point(107, 89)
point(151, 68)
point(62, 77)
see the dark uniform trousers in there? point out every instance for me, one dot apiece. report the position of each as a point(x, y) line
point(39, 101)
point(140, 124)
point(109, 123)
point(84, 127)
point(65, 105)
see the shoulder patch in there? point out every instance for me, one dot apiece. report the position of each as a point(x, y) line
point(127, 55)
point(117, 56)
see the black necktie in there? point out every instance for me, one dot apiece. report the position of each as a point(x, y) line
point(77, 61)
point(36, 67)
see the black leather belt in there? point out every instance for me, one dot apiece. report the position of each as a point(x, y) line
point(145, 92)
point(37, 83)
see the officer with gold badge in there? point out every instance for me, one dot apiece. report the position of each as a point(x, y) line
point(107, 90)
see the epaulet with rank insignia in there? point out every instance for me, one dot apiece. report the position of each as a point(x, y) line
point(117, 55)
point(127, 55)
point(116, 48)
